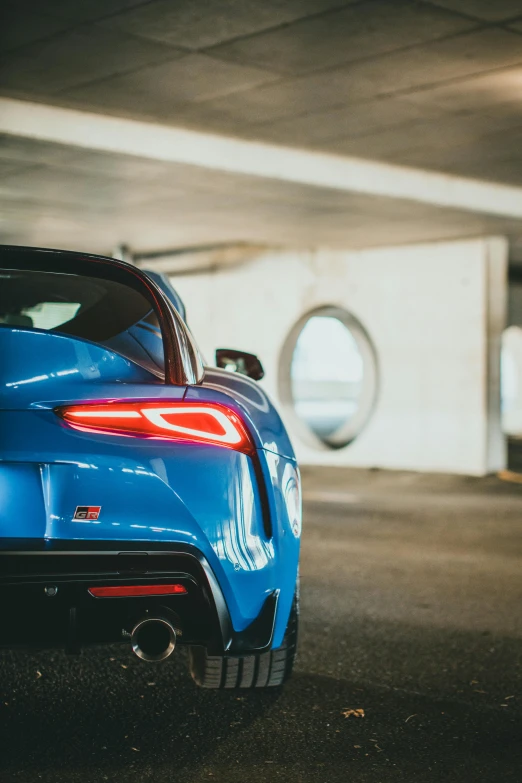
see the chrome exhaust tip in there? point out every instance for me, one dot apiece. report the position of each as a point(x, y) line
point(153, 639)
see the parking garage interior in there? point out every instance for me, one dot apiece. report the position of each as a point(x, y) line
point(335, 186)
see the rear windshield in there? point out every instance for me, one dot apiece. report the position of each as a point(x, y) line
point(102, 311)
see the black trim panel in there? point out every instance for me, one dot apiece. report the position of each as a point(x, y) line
point(73, 617)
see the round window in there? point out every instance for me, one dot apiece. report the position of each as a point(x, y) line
point(328, 377)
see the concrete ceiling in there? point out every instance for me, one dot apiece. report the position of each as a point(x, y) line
point(435, 85)
point(90, 200)
point(430, 84)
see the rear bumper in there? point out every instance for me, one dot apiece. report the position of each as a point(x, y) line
point(69, 617)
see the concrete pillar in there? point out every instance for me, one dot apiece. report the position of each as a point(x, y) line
point(512, 381)
point(435, 314)
point(512, 363)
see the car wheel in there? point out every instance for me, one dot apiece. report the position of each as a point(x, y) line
point(259, 670)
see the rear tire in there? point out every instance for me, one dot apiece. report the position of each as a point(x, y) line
point(259, 670)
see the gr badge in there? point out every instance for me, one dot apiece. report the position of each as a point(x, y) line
point(84, 513)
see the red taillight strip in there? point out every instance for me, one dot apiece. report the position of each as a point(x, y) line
point(110, 413)
point(230, 436)
point(135, 591)
point(197, 422)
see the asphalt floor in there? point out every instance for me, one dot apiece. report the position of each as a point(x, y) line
point(410, 661)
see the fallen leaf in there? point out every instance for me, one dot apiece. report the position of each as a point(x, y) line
point(123, 666)
point(357, 713)
point(38, 675)
point(136, 749)
point(410, 717)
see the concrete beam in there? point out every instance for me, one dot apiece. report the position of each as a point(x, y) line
point(199, 260)
point(178, 145)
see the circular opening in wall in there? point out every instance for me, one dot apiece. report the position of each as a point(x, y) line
point(328, 377)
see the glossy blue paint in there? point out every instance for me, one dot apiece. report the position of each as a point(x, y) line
point(149, 489)
point(36, 365)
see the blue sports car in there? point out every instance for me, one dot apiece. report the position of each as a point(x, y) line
point(145, 498)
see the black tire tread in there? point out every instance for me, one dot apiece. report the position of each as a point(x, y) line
point(268, 669)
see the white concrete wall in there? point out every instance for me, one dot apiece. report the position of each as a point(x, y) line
point(435, 314)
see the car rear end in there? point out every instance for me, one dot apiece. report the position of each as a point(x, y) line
point(137, 495)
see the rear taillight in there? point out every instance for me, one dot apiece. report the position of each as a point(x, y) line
point(195, 422)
